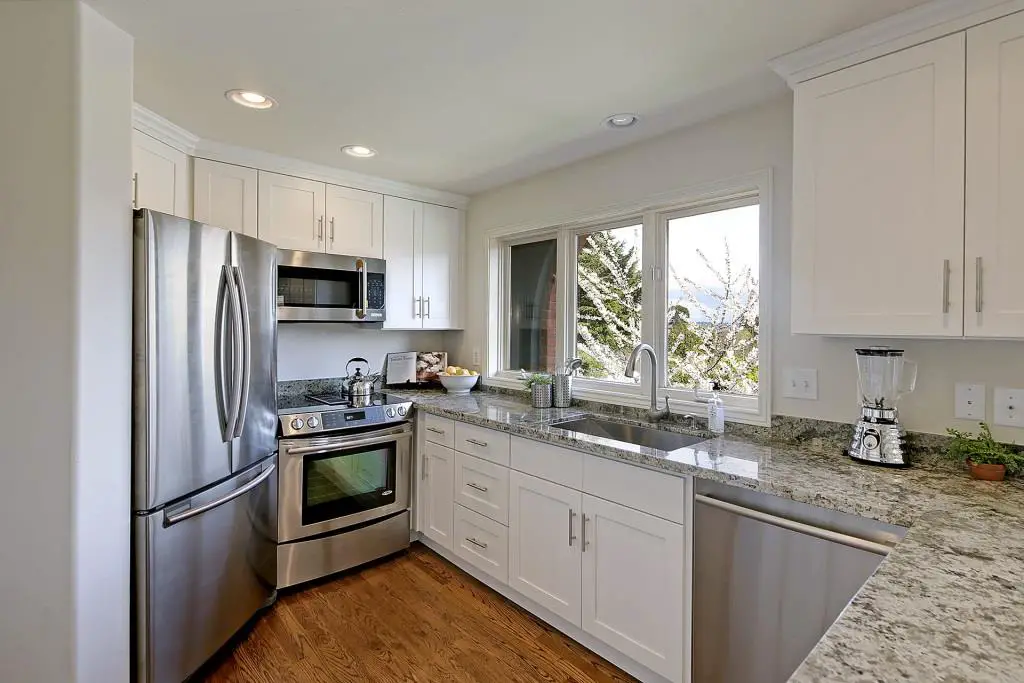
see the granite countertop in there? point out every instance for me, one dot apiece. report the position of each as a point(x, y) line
point(946, 604)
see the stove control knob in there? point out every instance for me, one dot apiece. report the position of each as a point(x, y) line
point(402, 411)
point(297, 423)
point(313, 422)
point(390, 412)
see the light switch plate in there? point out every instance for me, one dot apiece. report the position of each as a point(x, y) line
point(800, 383)
point(1008, 407)
point(970, 401)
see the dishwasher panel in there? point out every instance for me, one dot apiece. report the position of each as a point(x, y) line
point(766, 588)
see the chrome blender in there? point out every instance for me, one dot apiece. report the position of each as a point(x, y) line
point(883, 377)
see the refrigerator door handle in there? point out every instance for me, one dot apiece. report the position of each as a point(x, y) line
point(245, 367)
point(235, 402)
point(170, 520)
point(220, 358)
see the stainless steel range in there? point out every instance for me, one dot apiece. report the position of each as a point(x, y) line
point(343, 491)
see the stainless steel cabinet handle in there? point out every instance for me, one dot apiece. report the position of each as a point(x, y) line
point(428, 306)
point(192, 512)
point(477, 543)
point(417, 304)
point(478, 487)
point(945, 286)
point(584, 527)
point(135, 190)
point(572, 536)
point(320, 229)
point(435, 430)
point(977, 285)
point(332, 229)
point(481, 444)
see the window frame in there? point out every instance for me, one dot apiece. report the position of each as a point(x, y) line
point(654, 213)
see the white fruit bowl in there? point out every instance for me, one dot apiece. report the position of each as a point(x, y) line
point(458, 384)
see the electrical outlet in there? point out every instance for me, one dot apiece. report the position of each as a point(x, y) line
point(476, 358)
point(800, 383)
point(1009, 407)
point(970, 401)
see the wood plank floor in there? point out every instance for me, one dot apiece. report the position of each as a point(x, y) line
point(412, 618)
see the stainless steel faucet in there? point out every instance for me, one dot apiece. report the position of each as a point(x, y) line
point(654, 413)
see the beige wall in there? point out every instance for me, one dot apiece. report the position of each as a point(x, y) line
point(315, 350)
point(732, 145)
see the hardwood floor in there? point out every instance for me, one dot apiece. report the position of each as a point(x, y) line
point(412, 618)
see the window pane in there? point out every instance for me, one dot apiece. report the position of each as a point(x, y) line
point(713, 271)
point(609, 281)
point(532, 306)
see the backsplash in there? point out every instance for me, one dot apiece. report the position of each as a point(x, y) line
point(312, 350)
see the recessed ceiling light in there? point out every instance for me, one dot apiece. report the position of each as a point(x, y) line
point(621, 120)
point(251, 99)
point(359, 151)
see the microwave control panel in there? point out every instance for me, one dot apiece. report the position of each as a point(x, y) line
point(375, 290)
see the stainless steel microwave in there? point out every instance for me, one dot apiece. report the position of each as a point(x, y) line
point(314, 287)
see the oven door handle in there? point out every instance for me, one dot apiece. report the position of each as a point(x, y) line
point(347, 444)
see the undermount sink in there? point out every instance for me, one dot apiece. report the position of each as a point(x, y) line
point(627, 433)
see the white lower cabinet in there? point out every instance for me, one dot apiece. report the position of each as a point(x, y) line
point(633, 584)
point(544, 546)
point(436, 494)
point(482, 542)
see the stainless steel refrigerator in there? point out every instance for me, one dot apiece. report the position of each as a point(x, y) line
point(204, 440)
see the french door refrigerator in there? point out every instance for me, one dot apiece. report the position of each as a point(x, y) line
point(204, 440)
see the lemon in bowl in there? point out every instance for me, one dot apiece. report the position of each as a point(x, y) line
point(458, 381)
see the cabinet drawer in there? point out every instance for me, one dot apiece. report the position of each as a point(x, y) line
point(560, 465)
point(482, 486)
point(661, 495)
point(439, 430)
point(482, 442)
point(482, 542)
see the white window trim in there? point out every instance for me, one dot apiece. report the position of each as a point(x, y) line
point(654, 209)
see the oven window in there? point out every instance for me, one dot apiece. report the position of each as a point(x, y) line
point(314, 287)
point(340, 484)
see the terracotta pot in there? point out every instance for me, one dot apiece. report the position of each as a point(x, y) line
point(987, 472)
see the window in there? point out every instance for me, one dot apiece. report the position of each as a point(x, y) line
point(531, 286)
point(712, 304)
point(609, 299)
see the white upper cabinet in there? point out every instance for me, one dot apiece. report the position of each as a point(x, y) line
point(355, 222)
point(291, 212)
point(423, 250)
point(878, 195)
point(994, 290)
point(160, 177)
point(225, 195)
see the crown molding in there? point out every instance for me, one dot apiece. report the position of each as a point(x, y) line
point(917, 25)
point(156, 126)
point(274, 163)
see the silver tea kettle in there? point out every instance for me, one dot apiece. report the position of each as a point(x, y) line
point(359, 384)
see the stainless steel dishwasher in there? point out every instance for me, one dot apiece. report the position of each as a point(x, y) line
point(770, 577)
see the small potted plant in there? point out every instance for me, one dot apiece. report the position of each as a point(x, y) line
point(987, 458)
point(539, 385)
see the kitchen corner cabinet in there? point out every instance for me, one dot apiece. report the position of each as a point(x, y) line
point(160, 177)
point(878, 196)
point(296, 213)
point(423, 250)
point(225, 195)
point(436, 495)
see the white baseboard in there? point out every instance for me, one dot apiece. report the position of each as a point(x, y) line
point(627, 664)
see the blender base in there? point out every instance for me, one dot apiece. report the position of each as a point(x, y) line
point(879, 444)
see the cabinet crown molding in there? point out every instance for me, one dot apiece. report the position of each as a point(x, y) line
point(158, 127)
point(917, 25)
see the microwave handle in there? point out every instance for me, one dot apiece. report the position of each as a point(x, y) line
point(364, 288)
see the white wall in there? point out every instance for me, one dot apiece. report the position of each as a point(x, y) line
point(64, 360)
point(731, 145)
point(315, 350)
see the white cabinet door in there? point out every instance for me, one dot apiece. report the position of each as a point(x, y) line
point(633, 578)
point(544, 545)
point(355, 222)
point(291, 212)
point(225, 195)
point(403, 233)
point(995, 179)
point(878, 196)
point(436, 495)
point(160, 175)
point(442, 267)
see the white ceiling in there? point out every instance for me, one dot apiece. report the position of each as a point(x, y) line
point(463, 95)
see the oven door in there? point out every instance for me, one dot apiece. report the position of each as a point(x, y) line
point(330, 483)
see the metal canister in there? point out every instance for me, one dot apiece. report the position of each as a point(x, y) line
point(562, 390)
point(541, 395)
